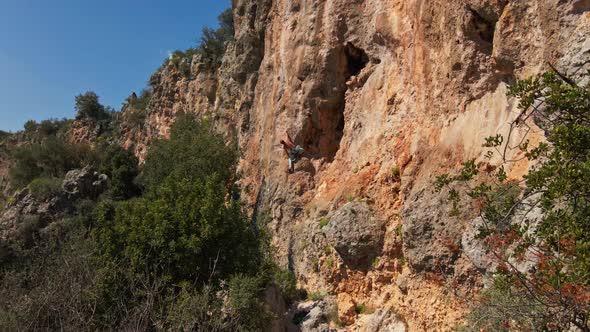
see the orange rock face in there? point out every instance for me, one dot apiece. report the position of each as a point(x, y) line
point(383, 96)
point(346, 309)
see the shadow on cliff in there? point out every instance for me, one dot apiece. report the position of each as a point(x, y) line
point(323, 129)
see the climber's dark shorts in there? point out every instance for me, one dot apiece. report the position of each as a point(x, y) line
point(294, 156)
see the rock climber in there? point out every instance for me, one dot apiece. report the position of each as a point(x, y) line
point(294, 152)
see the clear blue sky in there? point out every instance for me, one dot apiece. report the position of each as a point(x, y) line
point(52, 50)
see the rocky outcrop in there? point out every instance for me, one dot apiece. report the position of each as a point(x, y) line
point(172, 93)
point(86, 131)
point(355, 234)
point(311, 316)
point(383, 96)
point(84, 183)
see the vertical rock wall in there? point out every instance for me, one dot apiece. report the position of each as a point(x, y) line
point(383, 95)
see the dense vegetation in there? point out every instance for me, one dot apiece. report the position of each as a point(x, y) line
point(541, 222)
point(52, 157)
point(164, 248)
point(45, 154)
point(35, 132)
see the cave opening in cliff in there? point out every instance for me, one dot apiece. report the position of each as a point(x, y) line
point(356, 59)
point(481, 30)
point(324, 130)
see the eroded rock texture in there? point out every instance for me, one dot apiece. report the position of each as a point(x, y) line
point(24, 206)
point(383, 95)
point(355, 234)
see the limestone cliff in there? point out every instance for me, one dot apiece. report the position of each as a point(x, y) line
point(383, 95)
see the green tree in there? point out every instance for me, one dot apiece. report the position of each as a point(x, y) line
point(88, 107)
point(556, 293)
point(121, 166)
point(183, 233)
point(212, 45)
point(30, 127)
point(226, 24)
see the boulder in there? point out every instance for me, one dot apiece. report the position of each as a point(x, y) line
point(427, 230)
point(356, 234)
point(78, 183)
point(312, 316)
point(382, 320)
point(84, 182)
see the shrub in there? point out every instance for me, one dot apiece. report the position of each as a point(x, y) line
point(4, 135)
point(226, 24)
point(52, 157)
point(238, 307)
point(330, 262)
point(45, 188)
point(316, 296)
point(360, 308)
point(286, 282)
point(375, 262)
point(37, 132)
point(45, 288)
point(184, 231)
point(28, 225)
point(212, 47)
point(156, 76)
point(245, 302)
point(181, 231)
point(395, 173)
point(192, 153)
point(182, 60)
point(333, 315)
point(143, 100)
point(196, 310)
point(501, 309)
point(53, 127)
point(120, 166)
point(30, 127)
point(184, 228)
point(135, 118)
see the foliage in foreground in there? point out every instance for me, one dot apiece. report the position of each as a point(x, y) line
point(180, 257)
point(554, 294)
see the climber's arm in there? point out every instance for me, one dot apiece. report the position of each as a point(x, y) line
point(289, 140)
